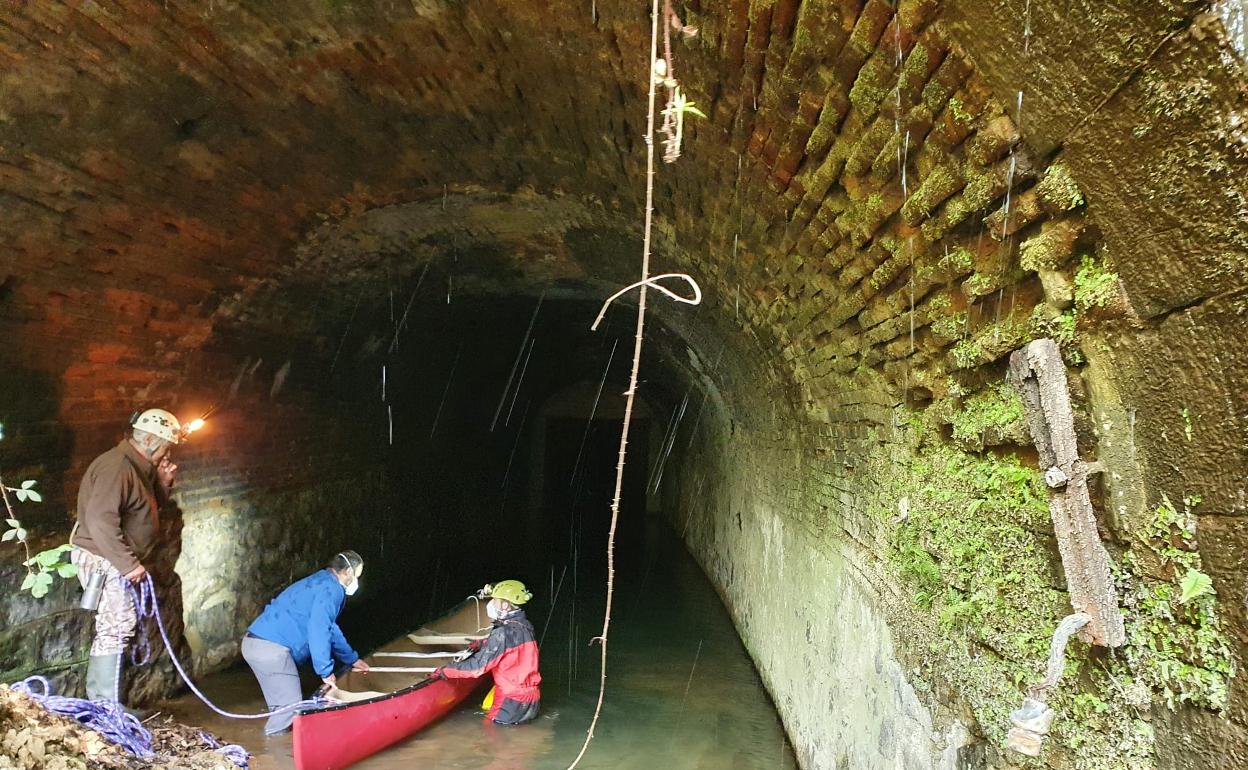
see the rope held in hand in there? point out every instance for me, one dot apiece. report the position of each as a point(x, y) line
point(146, 605)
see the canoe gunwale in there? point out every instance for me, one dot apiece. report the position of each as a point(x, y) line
point(393, 693)
point(379, 699)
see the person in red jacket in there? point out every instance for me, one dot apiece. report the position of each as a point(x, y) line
point(509, 653)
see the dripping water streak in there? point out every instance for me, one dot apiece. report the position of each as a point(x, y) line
point(667, 432)
point(516, 364)
point(514, 446)
point(446, 390)
point(346, 331)
point(520, 381)
point(402, 324)
point(697, 419)
point(593, 411)
point(1009, 187)
point(671, 442)
point(554, 602)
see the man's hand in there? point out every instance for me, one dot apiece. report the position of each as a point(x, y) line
point(463, 655)
point(137, 574)
point(360, 667)
point(166, 471)
point(330, 680)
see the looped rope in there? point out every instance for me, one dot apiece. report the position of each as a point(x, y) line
point(107, 718)
point(144, 599)
point(147, 605)
point(651, 282)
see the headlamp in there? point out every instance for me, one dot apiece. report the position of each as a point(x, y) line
point(192, 426)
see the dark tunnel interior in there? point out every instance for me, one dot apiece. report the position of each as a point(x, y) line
point(496, 426)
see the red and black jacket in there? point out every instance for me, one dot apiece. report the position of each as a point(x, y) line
point(510, 654)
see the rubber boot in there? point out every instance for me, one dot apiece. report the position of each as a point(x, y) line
point(103, 682)
point(102, 673)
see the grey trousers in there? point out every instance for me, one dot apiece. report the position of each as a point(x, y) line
point(278, 676)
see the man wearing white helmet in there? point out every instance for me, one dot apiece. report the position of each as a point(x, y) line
point(118, 519)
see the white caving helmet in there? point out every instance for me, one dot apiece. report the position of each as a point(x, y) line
point(159, 423)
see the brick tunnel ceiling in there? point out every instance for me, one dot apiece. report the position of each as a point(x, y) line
point(846, 200)
point(176, 170)
point(179, 171)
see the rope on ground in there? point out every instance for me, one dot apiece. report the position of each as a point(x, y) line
point(113, 723)
point(107, 718)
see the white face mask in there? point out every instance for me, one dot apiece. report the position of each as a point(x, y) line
point(354, 585)
point(493, 611)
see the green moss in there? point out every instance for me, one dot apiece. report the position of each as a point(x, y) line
point(970, 556)
point(967, 353)
point(891, 243)
point(939, 184)
point(977, 285)
point(866, 94)
point(1095, 285)
point(998, 409)
point(1047, 322)
point(959, 111)
point(1049, 250)
point(1177, 648)
point(950, 327)
point(959, 259)
point(1058, 188)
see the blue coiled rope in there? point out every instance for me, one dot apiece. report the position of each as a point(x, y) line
point(107, 718)
point(111, 721)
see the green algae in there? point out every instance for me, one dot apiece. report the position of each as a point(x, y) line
point(1059, 189)
point(1095, 285)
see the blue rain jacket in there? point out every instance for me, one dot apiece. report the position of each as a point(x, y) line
point(304, 619)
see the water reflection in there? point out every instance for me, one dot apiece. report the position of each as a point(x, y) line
point(681, 692)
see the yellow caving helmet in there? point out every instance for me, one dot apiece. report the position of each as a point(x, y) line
point(511, 591)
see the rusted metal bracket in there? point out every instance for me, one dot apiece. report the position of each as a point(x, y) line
point(1031, 722)
point(1039, 375)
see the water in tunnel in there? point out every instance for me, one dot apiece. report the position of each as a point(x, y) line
point(945, 470)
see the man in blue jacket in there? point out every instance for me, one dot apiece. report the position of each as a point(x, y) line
point(302, 624)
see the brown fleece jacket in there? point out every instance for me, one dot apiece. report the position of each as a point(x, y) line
point(119, 507)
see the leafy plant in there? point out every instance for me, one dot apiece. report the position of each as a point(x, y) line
point(1095, 285)
point(1194, 584)
point(42, 567)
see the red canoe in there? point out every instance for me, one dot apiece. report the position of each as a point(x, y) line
point(391, 706)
